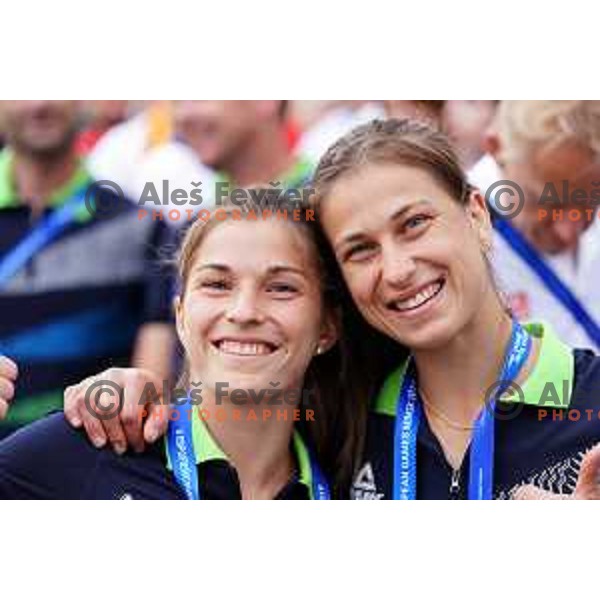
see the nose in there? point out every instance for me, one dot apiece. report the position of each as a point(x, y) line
point(244, 308)
point(398, 267)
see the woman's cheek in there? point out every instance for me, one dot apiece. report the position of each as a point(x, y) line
point(349, 273)
point(359, 283)
point(300, 320)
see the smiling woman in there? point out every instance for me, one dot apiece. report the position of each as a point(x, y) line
point(411, 238)
point(399, 251)
point(256, 311)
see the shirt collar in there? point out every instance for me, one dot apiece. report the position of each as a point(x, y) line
point(8, 193)
point(542, 388)
point(207, 449)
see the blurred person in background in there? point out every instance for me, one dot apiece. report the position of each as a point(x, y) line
point(325, 121)
point(548, 263)
point(101, 116)
point(322, 122)
point(122, 151)
point(240, 141)
point(80, 289)
point(466, 123)
point(428, 111)
point(245, 141)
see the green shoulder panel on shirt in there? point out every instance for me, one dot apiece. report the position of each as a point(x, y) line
point(386, 401)
point(543, 387)
point(80, 180)
point(206, 448)
point(555, 365)
point(303, 459)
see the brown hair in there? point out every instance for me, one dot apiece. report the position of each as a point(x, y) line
point(396, 141)
point(393, 141)
point(329, 381)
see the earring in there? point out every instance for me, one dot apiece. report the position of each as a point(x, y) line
point(319, 350)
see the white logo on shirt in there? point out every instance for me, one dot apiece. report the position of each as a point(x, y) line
point(560, 478)
point(364, 487)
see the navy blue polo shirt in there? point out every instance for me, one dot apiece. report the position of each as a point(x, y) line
point(51, 460)
point(75, 308)
point(542, 443)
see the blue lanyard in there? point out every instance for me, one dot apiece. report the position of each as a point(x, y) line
point(48, 230)
point(408, 417)
point(180, 447)
point(549, 278)
point(320, 487)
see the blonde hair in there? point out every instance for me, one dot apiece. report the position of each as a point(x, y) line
point(526, 125)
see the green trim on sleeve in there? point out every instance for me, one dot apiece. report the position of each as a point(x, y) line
point(387, 399)
point(555, 366)
point(552, 374)
point(303, 459)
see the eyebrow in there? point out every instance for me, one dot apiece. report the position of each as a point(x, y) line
point(353, 237)
point(275, 269)
point(272, 270)
point(213, 266)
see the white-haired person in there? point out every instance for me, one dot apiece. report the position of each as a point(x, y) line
point(547, 243)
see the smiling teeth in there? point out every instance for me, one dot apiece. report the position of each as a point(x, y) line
point(244, 348)
point(423, 296)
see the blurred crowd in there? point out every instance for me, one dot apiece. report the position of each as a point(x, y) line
point(87, 291)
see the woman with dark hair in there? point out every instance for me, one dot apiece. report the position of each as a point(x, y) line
point(483, 404)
